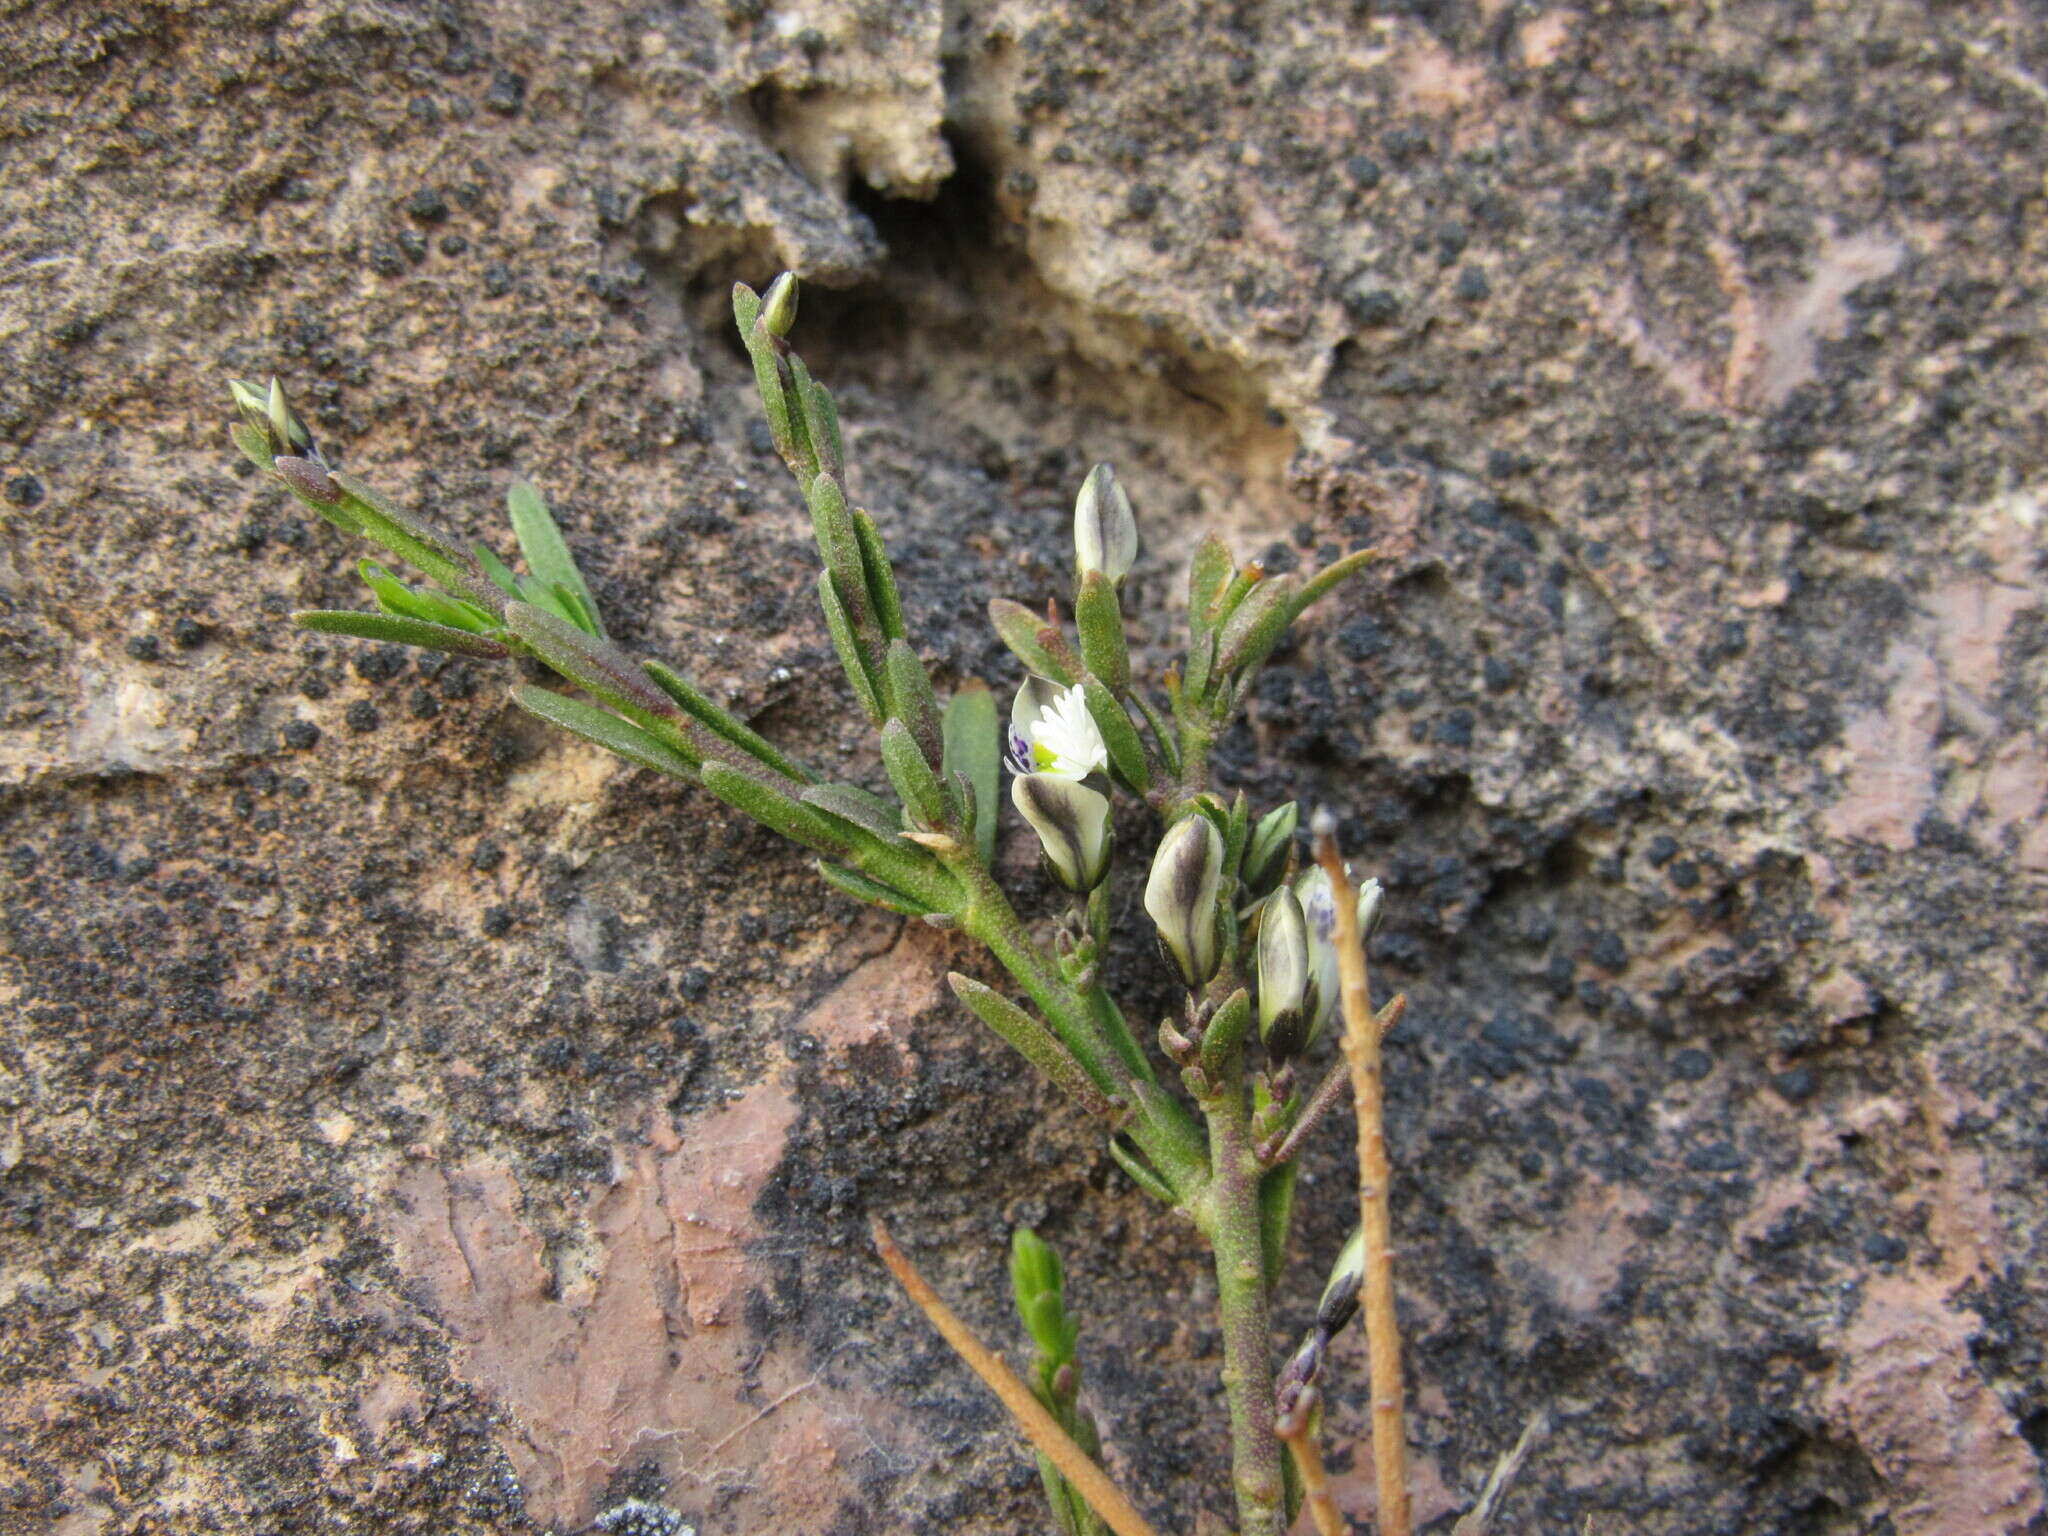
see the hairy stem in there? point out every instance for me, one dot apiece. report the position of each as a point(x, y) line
point(1244, 1308)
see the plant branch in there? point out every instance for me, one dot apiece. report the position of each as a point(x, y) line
point(1299, 1434)
point(1362, 1052)
point(1244, 1308)
point(1037, 1424)
point(1278, 1149)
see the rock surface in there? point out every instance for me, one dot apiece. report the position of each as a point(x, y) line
point(413, 1122)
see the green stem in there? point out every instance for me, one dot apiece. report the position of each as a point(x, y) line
point(1163, 1130)
point(1244, 1307)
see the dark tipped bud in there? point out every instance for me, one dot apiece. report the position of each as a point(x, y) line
point(1284, 1018)
point(1340, 1293)
point(1073, 827)
point(1180, 896)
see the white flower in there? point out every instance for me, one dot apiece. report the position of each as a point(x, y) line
point(1052, 732)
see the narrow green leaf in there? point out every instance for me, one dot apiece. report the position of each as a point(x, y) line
point(1017, 627)
point(839, 624)
point(595, 665)
point(1061, 1498)
point(496, 570)
point(1100, 620)
point(577, 610)
point(1174, 1128)
point(1242, 581)
point(1250, 633)
point(821, 413)
point(1032, 1040)
point(549, 599)
point(974, 749)
point(881, 579)
point(746, 307)
point(393, 595)
point(960, 807)
point(410, 602)
point(728, 725)
point(820, 419)
point(873, 892)
point(1163, 735)
point(855, 806)
point(1225, 1034)
point(1330, 576)
point(1236, 834)
point(546, 552)
point(396, 630)
point(802, 457)
point(911, 700)
point(606, 729)
point(1141, 1174)
point(1276, 1215)
point(779, 812)
point(254, 445)
point(1114, 1027)
point(416, 541)
point(761, 348)
point(1208, 575)
point(1201, 664)
point(909, 771)
point(1126, 751)
point(839, 545)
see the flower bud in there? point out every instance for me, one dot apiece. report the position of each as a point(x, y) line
point(1372, 905)
point(1319, 914)
point(1180, 896)
point(1105, 531)
point(778, 305)
point(1319, 908)
point(269, 414)
point(1072, 823)
point(1340, 1293)
point(1283, 977)
point(1265, 856)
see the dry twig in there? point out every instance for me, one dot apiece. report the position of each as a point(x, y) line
point(1039, 1426)
point(1362, 1051)
point(1296, 1430)
point(1477, 1520)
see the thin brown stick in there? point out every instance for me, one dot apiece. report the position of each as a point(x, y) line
point(1479, 1519)
point(1308, 1460)
point(1039, 1426)
point(1279, 1149)
point(1382, 1333)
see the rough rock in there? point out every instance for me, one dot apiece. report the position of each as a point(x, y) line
point(413, 1122)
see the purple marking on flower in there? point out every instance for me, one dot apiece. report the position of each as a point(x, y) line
point(1019, 760)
